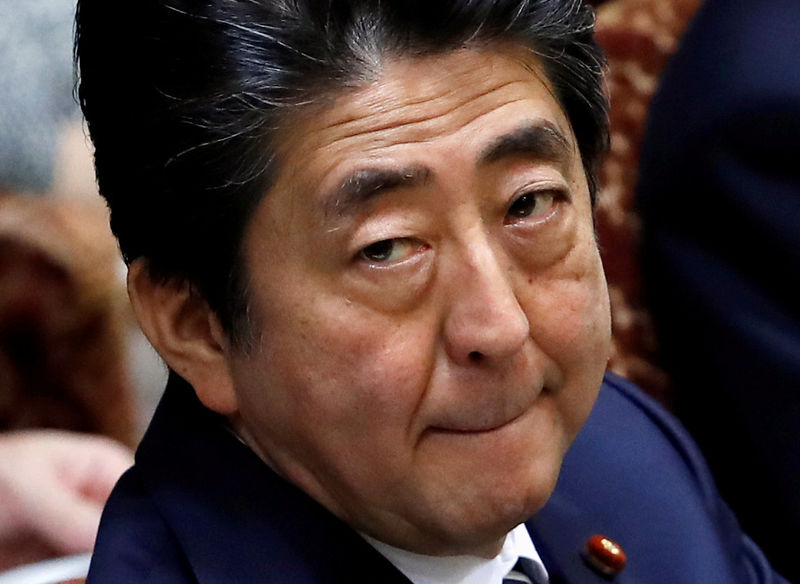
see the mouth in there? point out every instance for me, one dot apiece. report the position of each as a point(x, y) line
point(478, 427)
point(491, 418)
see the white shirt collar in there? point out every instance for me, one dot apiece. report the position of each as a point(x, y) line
point(422, 569)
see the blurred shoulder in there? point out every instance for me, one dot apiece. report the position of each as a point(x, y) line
point(134, 544)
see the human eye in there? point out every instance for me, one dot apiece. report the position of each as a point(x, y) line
point(538, 205)
point(389, 251)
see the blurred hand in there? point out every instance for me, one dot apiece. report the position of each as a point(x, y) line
point(53, 485)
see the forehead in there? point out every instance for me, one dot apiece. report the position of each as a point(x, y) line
point(459, 102)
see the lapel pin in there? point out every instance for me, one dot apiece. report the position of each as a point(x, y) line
point(604, 555)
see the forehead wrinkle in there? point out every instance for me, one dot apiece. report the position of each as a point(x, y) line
point(390, 91)
point(396, 115)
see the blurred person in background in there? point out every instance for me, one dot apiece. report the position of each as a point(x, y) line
point(719, 194)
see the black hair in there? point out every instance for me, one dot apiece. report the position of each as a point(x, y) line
point(184, 101)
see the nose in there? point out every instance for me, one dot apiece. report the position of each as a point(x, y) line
point(485, 322)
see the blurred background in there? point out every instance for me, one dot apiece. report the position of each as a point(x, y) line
point(70, 354)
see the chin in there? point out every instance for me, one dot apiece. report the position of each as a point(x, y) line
point(478, 521)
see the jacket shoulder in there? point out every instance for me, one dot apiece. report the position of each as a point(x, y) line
point(134, 544)
point(635, 475)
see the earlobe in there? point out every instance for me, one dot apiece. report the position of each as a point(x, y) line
point(186, 333)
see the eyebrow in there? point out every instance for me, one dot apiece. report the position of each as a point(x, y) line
point(537, 139)
point(362, 185)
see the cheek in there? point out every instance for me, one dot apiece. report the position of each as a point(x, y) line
point(344, 365)
point(567, 305)
point(568, 310)
point(349, 383)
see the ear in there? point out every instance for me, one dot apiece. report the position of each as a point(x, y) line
point(186, 333)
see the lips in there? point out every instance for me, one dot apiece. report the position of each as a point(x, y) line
point(488, 418)
point(476, 428)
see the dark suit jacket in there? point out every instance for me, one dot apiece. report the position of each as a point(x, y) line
point(719, 195)
point(200, 507)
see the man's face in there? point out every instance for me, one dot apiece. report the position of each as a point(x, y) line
point(432, 308)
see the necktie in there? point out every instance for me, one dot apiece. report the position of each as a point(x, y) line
point(525, 571)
